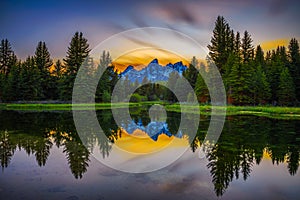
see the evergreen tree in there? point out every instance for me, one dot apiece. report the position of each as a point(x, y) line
point(7, 57)
point(53, 84)
point(8, 60)
point(239, 83)
point(77, 52)
point(286, 90)
point(281, 52)
point(220, 41)
point(191, 73)
point(30, 80)
point(43, 63)
point(294, 65)
point(201, 89)
point(247, 48)
point(194, 62)
point(11, 88)
point(58, 69)
point(237, 45)
point(232, 60)
point(259, 57)
point(42, 58)
point(108, 78)
point(260, 87)
point(230, 40)
point(105, 59)
point(268, 58)
point(85, 82)
point(274, 68)
point(2, 84)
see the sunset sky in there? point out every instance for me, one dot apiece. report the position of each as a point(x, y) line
point(24, 23)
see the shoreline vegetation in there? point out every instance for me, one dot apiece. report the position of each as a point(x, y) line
point(261, 111)
point(250, 74)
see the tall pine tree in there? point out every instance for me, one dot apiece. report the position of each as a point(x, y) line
point(191, 73)
point(77, 52)
point(259, 57)
point(221, 41)
point(274, 68)
point(294, 66)
point(201, 89)
point(108, 79)
point(30, 80)
point(7, 57)
point(43, 63)
point(247, 48)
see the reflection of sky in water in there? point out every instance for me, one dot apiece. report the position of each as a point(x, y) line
point(25, 179)
point(270, 141)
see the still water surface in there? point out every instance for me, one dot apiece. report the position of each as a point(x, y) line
point(42, 157)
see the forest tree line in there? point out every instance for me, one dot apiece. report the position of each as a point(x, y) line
point(38, 78)
point(250, 75)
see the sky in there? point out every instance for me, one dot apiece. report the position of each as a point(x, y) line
point(25, 23)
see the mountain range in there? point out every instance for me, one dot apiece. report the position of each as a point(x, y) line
point(153, 71)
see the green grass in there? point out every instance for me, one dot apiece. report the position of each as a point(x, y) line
point(46, 106)
point(265, 111)
point(63, 106)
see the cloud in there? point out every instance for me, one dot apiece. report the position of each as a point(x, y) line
point(142, 57)
point(194, 12)
point(277, 7)
point(175, 12)
point(178, 12)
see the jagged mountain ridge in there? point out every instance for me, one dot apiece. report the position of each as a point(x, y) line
point(153, 71)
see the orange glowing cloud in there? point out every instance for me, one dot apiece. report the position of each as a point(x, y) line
point(142, 57)
point(273, 44)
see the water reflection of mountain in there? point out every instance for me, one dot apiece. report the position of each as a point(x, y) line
point(153, 129)
point(242, 144)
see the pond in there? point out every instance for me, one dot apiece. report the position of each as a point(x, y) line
point(42, 157)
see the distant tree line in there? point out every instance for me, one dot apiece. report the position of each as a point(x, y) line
point(250, 76)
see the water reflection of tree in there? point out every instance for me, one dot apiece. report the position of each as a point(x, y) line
point(42, 148)
point(243, 142)
point(77, 156)
point(39, 146)
point(36, 132)
point(7, 149)
point(110, 129)
point(293, 159)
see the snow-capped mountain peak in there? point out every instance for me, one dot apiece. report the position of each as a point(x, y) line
point(154, 72)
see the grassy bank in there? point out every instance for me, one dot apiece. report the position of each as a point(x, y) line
point(68, 107)
point(266, 111)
